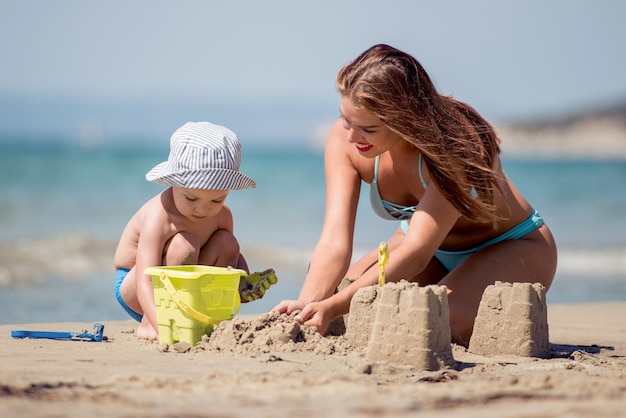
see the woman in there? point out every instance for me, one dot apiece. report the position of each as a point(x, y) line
point(433, 164)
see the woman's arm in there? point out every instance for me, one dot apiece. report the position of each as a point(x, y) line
point(331, 258)
point(409, 255)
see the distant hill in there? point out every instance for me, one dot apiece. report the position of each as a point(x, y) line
point(593, 133)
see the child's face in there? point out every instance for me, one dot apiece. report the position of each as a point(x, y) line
point(198, 204)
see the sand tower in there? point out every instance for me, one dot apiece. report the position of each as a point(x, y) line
point(512, 320)
point(402, 323)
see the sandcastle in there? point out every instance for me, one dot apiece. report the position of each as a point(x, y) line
point(402, 323)
point(512, 320)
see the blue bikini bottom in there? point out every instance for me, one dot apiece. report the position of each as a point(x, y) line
point(451, 259)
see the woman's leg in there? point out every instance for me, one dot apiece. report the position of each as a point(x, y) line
point(432, 274)
point(370, 259)
point(531, 259)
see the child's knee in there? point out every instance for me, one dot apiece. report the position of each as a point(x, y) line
point(182, 248)
point(225, 241)
point(222, 249)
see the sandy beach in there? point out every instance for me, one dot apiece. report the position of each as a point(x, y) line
point(584, 376)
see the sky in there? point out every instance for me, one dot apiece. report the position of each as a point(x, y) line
point(268, 68)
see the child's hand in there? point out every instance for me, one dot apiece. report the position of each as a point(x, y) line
point(253, 286)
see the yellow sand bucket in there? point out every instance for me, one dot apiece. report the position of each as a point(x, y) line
point(190, 300)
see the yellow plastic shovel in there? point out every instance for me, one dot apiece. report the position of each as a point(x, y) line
point(383, 259)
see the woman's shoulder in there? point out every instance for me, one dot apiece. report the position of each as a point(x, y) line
point(337, 136)
point(340, 153)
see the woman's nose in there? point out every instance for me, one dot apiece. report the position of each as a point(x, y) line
point(352, 135)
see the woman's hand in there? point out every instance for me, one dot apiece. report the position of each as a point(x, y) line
point(288, 306)
point(316, 314)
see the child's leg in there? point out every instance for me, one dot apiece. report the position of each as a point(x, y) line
point(128, 295)
point(181, 249)
point(222, 250)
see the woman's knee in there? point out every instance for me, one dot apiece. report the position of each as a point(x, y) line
point(463, 304)
point(461, 326)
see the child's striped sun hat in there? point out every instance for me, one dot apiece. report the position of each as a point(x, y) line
point(202, 156)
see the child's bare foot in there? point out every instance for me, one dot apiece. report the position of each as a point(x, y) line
point(145, 331)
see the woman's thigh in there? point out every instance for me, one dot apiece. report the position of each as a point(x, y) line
point(432, 274)
point(370, 259)
point(531, 260)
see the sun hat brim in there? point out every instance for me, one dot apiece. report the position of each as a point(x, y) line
point(207, 179)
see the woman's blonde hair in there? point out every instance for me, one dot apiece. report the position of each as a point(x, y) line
point(458, 146)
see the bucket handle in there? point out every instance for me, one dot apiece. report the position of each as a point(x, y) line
point(205, 319)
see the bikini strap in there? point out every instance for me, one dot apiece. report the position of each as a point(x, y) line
point(376, 162)
point(420, 172)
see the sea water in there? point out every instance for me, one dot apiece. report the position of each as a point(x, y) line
point(63, 208)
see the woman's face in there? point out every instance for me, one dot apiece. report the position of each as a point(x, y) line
point(366, 131)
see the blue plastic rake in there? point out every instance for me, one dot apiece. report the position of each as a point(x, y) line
point(96, 335)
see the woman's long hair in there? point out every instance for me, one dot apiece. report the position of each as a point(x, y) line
point(458, 146)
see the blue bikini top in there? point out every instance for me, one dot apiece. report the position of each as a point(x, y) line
point(390, 210)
